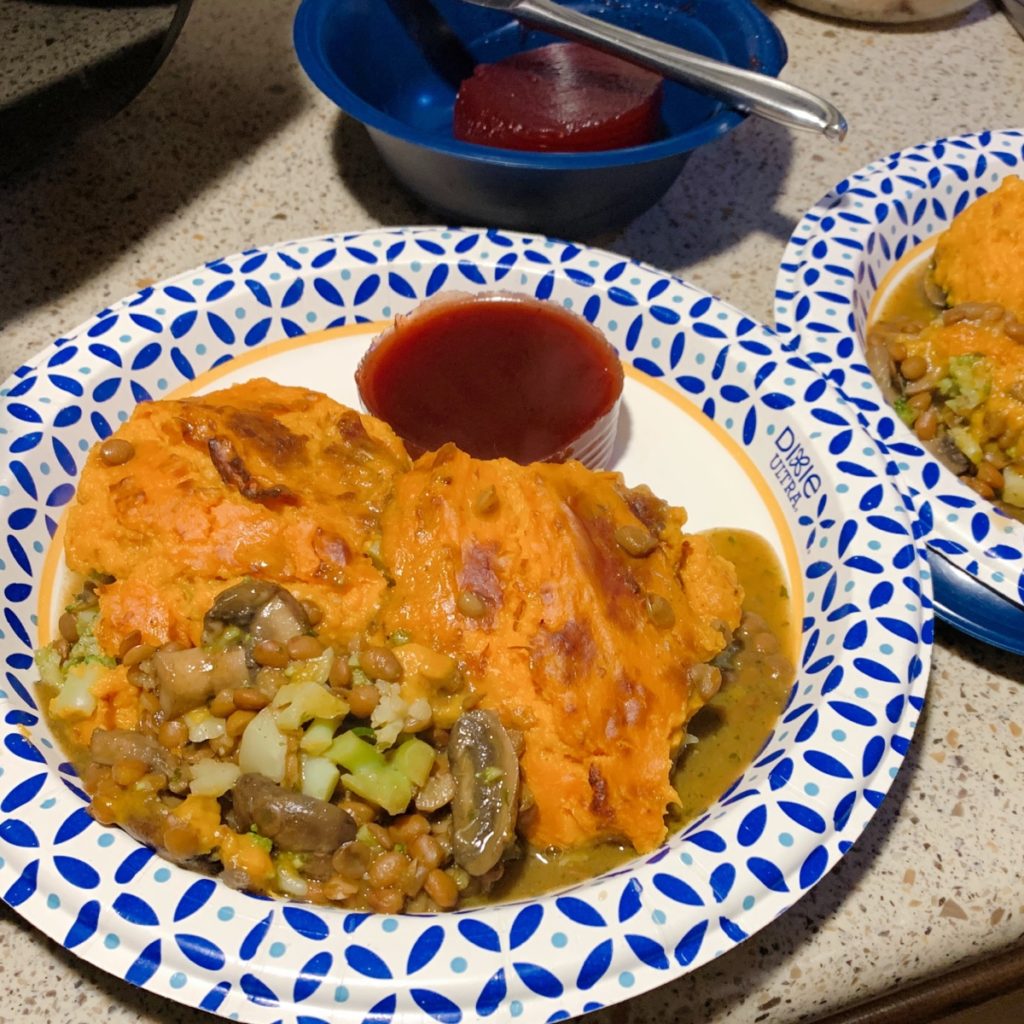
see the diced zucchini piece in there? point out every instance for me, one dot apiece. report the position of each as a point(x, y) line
point(289, 876)
point(355, 754)
point(76, 699)
point(264, 748)
point(414, 759)
point(311, 670)
point(319, 777)
point(319, 735)
point(213, 778)
point(386, 787)
point(48, 664)
point(364, 835)
point(298, 702)
point(1013, 487)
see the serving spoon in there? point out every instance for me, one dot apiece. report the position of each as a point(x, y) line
point(748, 91)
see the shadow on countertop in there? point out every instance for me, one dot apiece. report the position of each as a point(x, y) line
point(214, 101)
point(361, 170)
point(740, 176)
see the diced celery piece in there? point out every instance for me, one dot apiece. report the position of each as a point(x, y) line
point(1013, 487)
point(414, 759)
point(203, 725)
point(319, 777)
point(48, 664)
point(264, 749)
point(355, 754)
point(966, 442)
point(76, 699)
point(213, 778)
point(311, 670)
point(289, 876)
point(386, 787)
point(298, 702)
point(319, 735)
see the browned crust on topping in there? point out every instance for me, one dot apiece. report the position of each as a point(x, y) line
point(233, 472)
point(599, 790)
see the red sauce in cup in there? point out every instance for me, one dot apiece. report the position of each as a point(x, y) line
point(501, 375)
point(564, 97)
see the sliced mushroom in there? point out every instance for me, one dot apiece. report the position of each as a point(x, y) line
point(187, 679)
point(294, 821)
point(266, 610)
point(486, 772)
point(437, 792)
point(109, 746)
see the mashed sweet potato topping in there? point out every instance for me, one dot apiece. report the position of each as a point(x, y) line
point(276, 596)
point(258, 480)
point(589, 608)
point(978, 258)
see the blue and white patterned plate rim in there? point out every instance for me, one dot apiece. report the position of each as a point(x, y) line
point(834, 261)
point(809, 794)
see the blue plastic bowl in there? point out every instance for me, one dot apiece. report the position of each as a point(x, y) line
point(378, 61)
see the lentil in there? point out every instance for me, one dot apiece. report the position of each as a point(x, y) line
point(249, 698)
point(442, 889)
point(173, 733)
point(237, 721)
point(926, 426)
point(302, 648)
point(362, 700)
point(116, 452)
point(471, 604)
point(341, 674)
point(386, 901)
point(635, 540)
point(913, 368)
point(67, 625)
point(223, 703)
point(659, 611)
point(486, 501)
point(270, 654)
point(380, 663)
point(387, 870)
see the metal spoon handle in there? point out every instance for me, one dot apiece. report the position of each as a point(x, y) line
point(746, 90)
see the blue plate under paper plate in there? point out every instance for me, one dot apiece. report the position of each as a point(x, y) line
point(396, 66)
point(716, 418)
point(837, 259)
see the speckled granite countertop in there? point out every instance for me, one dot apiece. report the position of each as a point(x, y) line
point(231, 146)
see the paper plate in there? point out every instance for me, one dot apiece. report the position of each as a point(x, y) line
point(835, 262)
point(716, 418)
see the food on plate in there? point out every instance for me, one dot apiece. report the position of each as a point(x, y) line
point(948, 348)
point(564, 97)
point(584, 616)
point(979, 257)
point(498, 374)
point(196, 494)
point(300, 661)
